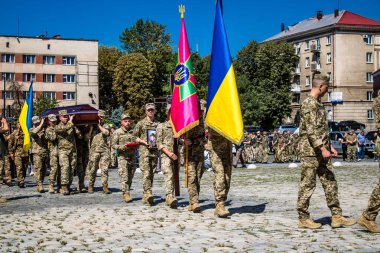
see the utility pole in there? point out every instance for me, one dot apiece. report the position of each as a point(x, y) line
point(4, 96)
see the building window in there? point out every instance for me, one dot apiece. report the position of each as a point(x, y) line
point(368, 39)
point(328, 38)
point(329, 96)
point(307, 45)
point(369, 58)
point(7, 44)
point(8, 94)
point(29, 59)
point(28, 77)
point(307, 62)
point(369, 77)
point(49, 78)
point(68, 60)
point(298, 48)
point(69, 78)
point(8, 76)
point(8, 58)
point(48, 46)
point(329, 76)
point(318, 43)
point(370, 114)
point(296, 98)
point(26, 93)
point(328, 58)
point(49, 94)
point(68, 95)
point(369, 96)
point(48, 59)
point(307, 81)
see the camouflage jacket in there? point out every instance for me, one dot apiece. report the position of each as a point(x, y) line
point(120, 138)
point(99, 143)
point(275, 141)
point(376, 110)
point(141, 133)
point(313, 128)
point(65, 136)
point(3, 145)
point(16, 143)
point(51, 137)
point(218, 143)
point(264, 142)
point(351, 138)
point(198, 139)
point(165, 138)
point(40, 144)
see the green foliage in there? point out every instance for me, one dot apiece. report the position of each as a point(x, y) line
point(264, 79)
point(42, 104)
point(201, 72)
point(108, 57)
point(133, 83)
point(116, 116)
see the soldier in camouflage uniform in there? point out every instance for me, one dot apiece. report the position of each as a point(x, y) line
point(287, 147)
point(275, 146)
point(264, 146)
point(82, 145)
point(295, 148)
point(351, 146)
point(51, 137)
point(39, 151)
point(316, 152)
point(4, 161)
point(221, 159)
point(369, 215)
point(126, 157)
point(256, 150)
point(66, 149)
point(280, 150)
point(165, 143)
point(148, 150)
point(5, 166)
point(18, 154)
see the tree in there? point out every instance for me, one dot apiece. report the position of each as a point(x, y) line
point(108, 57)
point(42, 104)
point(150, 39)
point(133, 81)
point(116, 116)
point(201, 73)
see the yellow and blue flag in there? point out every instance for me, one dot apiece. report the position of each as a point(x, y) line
point(25, 118)
point(223, 105)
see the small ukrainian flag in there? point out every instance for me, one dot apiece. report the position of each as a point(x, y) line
point(25, 118)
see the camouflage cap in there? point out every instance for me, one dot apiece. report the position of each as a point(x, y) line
point(150, 106)
point(107, 126)
point(125, 115)
point(63, 113)
point(36, 119)
point(52, 117)
point(101, 113)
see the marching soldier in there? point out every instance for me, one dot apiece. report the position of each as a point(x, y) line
point(18, 154)
point(316, 153)
point(51, 137)
point(264, 146)
point(145, 134)
point(4, 161)
point(275, 146)
point(82, 146)
point(126, 157)
point(39, 151)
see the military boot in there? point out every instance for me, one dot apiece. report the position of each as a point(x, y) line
point(127, 197)
point(369, 224)
point(65, 190)
point(171, 201)
point(308, 223)
point(90, 189)
point(221, 211)
point(2, 200)
point(338, 221)
point(194, 207)
point(40, 188)
point(51, 188)
point(105, 189)
point(81, 188)
point(148, 199)
point(9, 183)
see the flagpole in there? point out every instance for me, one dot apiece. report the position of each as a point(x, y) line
point(186, 162)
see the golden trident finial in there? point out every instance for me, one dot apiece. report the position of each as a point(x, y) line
point(182, 10)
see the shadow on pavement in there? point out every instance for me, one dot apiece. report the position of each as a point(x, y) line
point(248, 209)
point(324, 220)
point(24, 197)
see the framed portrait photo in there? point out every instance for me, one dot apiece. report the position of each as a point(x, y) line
point(152, 138)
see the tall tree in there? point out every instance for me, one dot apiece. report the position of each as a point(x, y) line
point(150, 39)
point(201, 73)
point(42, 104)
point(108, 57)
point(133, 81)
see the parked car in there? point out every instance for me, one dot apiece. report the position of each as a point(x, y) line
point(335, 138)
point(288, 128)
point(369, 147)
point(350, 124)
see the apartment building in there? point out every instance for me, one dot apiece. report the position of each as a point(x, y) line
point(64, 69)
point(344, 46)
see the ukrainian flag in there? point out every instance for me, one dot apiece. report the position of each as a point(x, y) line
point(25, 118)
point(223, 105)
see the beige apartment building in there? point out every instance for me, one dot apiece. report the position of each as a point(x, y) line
point(344, 46)
point(64, 69)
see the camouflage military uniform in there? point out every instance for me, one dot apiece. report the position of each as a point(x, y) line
point(255, 148)
point(66, 152)
point(351, 147)
point(5, 166)
point(275, 147)
point(100, 157)
point(82, 146)
point(287, 148)
point(126, 159)
point(165, 139)
point(280, 149)
point(40, 153)
point(314, 134)
point(148, 156)
point(263, 147)
point(51, 136)
point(21, 159)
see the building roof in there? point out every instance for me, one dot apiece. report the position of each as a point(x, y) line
point(344, 18)
point(43, 37)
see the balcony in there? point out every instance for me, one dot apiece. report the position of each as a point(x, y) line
point(315, 48)
point(315, 67)
point(297, 71)
point(295, 88)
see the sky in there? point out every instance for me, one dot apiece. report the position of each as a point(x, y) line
point(245, 20)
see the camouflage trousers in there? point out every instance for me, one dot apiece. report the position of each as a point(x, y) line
point(67, 163)
point(5, 169)
point(264, 157)
point(256, 154)
point(195, 172)
point(148, 165)
point(310, 168)
point(81, 167)
point(167, 169)
point(40, 162)
point(54, 166)
point(21, 163)
point(373, 204)
point(351, 153)
point(98, 161)
point(221, 160)
point(127, 168)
